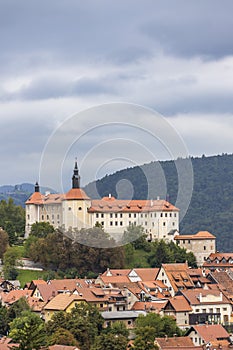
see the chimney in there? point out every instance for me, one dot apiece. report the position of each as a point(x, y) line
point(109, 196)
point(158, 198)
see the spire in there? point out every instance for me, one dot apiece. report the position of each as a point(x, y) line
point(76, 177)
point(37, 187)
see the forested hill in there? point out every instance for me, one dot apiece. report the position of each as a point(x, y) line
point(211, 206)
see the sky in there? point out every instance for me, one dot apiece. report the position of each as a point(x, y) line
point(61, 58)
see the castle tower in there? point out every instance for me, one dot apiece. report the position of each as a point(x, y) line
point(76, 204)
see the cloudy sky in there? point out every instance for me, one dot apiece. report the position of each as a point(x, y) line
point(61, 57)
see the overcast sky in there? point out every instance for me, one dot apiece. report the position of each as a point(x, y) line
point(60, 57)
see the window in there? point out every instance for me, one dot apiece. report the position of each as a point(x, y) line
point(121, 223)
point(155, 215)
point(115, 215)
point(170, 215)
point(165, 215)
point(102, 223)
point(135, 215)
point(164, 223)
point(47, 217)
point(69, 208)
point(120, 215)
point(141, 215)
point(175, 215)
point(42, 217)
point(129, 322)
point(161, 215)
point(116, 223)
point(145, 223)
point(28, 216)
point(102, 215)
point(204, 247)
point(218, 310)
point(58, 217)
point(110, 215)
point(96, 215)
point(129, 215)
point(173, 224)
point(224, 309)
point(52, 217)
point(111, 223)
point(80, 208)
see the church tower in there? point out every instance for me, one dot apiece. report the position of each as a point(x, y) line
point(76, 204)
point(76, 177)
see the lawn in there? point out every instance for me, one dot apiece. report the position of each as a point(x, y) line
point(26, 276)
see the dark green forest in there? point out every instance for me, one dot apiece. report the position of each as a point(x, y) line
point(211, 206)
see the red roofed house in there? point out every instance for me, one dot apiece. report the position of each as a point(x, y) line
point(202, 244)
point(75, 209)
point(204, 334)
point(178, 307)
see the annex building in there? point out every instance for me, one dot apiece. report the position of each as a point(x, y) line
point(75, 210)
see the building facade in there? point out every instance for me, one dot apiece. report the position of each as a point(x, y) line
point(75, 210)
point(202, 244)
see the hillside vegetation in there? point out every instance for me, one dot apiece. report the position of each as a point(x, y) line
point(211, 206)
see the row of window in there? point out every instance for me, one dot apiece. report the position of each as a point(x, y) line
point(120, 223)
point(134, 215)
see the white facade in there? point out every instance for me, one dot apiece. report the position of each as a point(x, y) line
point(75, 210)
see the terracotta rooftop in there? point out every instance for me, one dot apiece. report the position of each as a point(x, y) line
point(62, 301)
point(76, 193)
point(211, 332)
point(147, 274)
point(38, 198)
point(15, 295)
point(148, 305)
point(198, 296)
point(179, 304)
point(198, 235)
point(177, 342)
point(107, 204)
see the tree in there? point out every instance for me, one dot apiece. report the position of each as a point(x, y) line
point(4, 241)
point(84, 322)
point(145, 339)
point(161, 325)
point(118, 328)
point(12, 219)
point(110, 341)
point(10, 258)
point(28, 330)
point(62, 337)
point(15, 310)
point(41, 229)
point(4, 324)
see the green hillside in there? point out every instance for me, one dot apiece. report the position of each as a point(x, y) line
point(211, 206)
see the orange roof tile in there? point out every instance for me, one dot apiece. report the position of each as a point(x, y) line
point(147, 274)
point(210, 332)
point(197, 236)
point(76, 193)
point(62, 301)
point(15, 295)
point(180, 304)
point(107, 204)
point(38, 198)
point(148, 305)
point(174, 342)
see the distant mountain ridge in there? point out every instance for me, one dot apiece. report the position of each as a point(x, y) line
point(20, 192)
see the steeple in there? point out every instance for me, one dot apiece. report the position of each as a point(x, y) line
point(76, 177)
point(37, 188)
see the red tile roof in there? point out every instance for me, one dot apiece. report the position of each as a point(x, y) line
point(176, 342)
point(210, 332)
point(199, 235)
point(76, 193)
point(147, 274)
point(107, 204)
point(179, 304)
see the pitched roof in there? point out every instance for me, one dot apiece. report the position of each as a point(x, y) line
point(178, 275)
point(174, 342)
point(114, 279)
point(51, 198)
point(15, 295)
point(148, 305)
point(195, 296)
point(210, 332)
point(147, 274)
point(179, 304)
point(199, 235)
point(111, 204)
point(76, 193)
point(62, 301)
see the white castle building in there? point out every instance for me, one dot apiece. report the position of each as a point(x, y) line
point(75, 210)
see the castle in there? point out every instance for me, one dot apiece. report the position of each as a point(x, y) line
point(75, 210)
